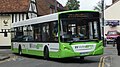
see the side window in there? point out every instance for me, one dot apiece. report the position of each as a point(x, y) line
point(18, 38)
point(37, 32)
point(54, 31)
point(25, 39)
point(45, 32)
point(30, 38)
point(17, 34)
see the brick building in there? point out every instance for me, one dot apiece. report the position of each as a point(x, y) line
point(45, 7)
point(113, 1)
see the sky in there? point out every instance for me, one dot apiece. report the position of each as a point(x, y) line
point(86, 4)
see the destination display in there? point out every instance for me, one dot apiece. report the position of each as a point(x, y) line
point(77, 15)
point(80, 15)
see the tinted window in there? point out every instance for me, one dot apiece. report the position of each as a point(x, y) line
point(112, 33)
point(27, 38)
point(23, 38)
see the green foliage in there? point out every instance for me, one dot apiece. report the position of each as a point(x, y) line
point(72, 5)
point(98, 7)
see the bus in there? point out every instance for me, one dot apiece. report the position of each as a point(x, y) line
point(74, 33)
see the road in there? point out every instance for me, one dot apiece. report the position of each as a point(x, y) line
point(34, 61)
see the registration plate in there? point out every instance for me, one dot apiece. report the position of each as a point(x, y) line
point(84, 53)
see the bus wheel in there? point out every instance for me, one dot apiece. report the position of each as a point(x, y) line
point(46, 53)
point(20, 50)
point(82, 58)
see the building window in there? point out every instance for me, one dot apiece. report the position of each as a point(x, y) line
point(12, 18)
point(19, 17)
point(33, 6)
point(5, 34)
point(22, 16)
point(15, 17)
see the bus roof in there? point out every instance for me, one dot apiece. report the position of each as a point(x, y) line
point(77, 11)
point(45, 18)
point(41, 19)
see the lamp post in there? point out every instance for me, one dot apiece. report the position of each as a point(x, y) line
point(103, 22)
point(103, 12)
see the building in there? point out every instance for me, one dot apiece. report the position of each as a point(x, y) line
point(112, 16)
point(113, 1)
point(12, 11)
point(45, 7)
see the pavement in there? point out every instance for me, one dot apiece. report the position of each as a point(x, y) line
point(4, 54)
point(113, 59)
point(3, 57)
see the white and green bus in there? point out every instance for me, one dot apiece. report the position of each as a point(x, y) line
point(75, 33)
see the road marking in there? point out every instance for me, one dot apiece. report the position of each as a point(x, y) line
point(100, 63)
point(103, 65)
point(11, 58)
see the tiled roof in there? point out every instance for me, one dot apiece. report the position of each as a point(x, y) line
point(43, 6)
point(15, 6)
point(114, 1)
point(11, 6)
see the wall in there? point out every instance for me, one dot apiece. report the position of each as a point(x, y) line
point(5, 25)
point(112, 13)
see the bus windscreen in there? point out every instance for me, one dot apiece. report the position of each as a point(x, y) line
point(79, 26)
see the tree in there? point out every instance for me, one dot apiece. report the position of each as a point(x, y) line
point(72, 5)
point(98, 7)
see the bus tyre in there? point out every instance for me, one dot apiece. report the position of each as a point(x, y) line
point(46, 53)
point(20, 50)
point(82, 58)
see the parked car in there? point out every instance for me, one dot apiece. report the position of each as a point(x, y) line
point(111, 36)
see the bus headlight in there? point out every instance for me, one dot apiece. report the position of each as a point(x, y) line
point(65, 48)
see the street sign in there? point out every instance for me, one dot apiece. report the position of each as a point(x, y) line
point(112, 22)
point(5, 22)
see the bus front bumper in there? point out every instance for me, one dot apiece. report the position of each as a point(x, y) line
point(69, 53)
